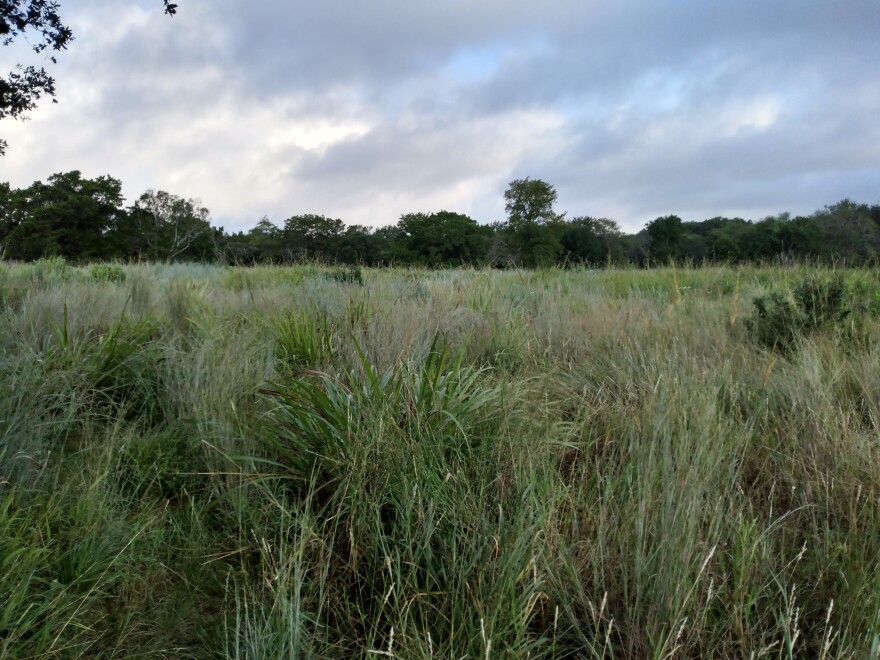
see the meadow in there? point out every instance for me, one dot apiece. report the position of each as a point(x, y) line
point(292, 462)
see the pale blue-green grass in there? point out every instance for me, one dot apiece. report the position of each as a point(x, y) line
point(203, 461)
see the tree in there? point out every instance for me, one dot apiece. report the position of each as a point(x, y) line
point(443, 239)
point(38, 22)
point(592, 240)
point(66, 216)
point(846, 231)
point(360, 245)
point(265, 240)
point(530, 201)
point(725, 239)
point(533, 227)
point(666, 234)
point(164, 227)
point(312, 236)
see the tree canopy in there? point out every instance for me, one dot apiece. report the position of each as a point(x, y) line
point(82, 219)
point(530, 201)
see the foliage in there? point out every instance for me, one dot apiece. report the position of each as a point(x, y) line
point(311, 236)
point(533, 226)
point(441, 239)
point(822, 300)
point(83, 220)
point(24, 86)
point(594, 241)
point(51, 270)
point(666, 234)
point(165, 227)
point(350, 275)
point(818, 302)
point(68, 216)
point(108, 273)
point(777, 322)
point(530, 201)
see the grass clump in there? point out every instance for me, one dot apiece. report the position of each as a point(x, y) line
point(321, 420)
point(304, 340)
point(163, 464)
point(404, 462)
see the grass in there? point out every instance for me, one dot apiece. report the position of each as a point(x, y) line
point(200, 461)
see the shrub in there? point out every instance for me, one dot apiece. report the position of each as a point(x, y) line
point(816, 303)
point(822, 301)
point(777, 322)
point(51, 269)
point(108, 273)
point(350, 275)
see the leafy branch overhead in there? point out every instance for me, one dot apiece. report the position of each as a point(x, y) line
point(39, 23)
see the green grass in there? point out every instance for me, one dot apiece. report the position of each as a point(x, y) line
point(199, 461)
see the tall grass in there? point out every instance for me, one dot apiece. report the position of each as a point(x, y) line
point(199, 461)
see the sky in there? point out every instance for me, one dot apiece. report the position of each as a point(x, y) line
point(367, 110)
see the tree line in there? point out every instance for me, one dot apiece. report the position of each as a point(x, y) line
point(85, 220)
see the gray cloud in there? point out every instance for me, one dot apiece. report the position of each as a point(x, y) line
point(365, 111)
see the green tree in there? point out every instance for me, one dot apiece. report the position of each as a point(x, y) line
point(311, 236)
point(724, 239)
point(530, 201)
point(360, 245)
point(67, 216)
point(164, 227)
point(391, 241)
point(592, 241)
point(847, 231)
point(534, 228)
point(763, 240)
point(7, 215)
point(666, 234)
point(443, 238)
point(266, 241)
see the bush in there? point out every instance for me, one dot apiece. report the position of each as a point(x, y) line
point(817, 303)
point(351, 275)
point(822, 301)
point(51, 269)
point(108, 273)
point(777, 322)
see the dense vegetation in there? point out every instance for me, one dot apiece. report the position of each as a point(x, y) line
point(85, 219)
point(205, 461)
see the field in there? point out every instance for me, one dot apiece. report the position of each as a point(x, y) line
point(200, 461)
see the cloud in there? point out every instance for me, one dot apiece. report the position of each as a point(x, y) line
point(365, 111)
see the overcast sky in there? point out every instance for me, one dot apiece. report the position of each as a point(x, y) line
point(367, 110)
